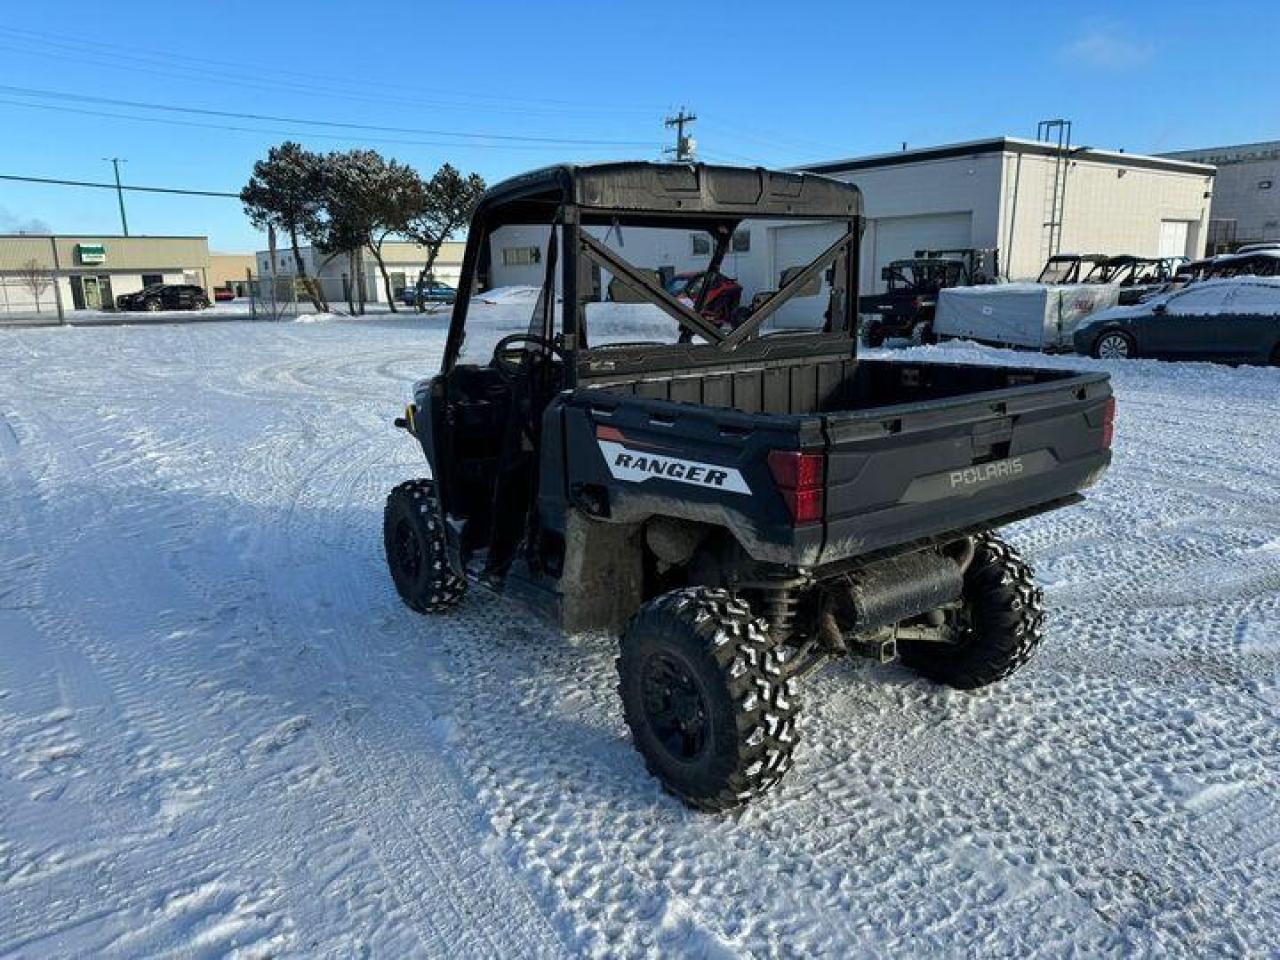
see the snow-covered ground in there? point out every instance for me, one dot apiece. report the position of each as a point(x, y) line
point(220, 732)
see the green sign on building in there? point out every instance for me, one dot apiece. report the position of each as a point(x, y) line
point(89, 253)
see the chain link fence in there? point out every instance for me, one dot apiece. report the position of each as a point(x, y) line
point(25, 301)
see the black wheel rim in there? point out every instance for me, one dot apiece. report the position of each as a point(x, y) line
point(675, 708)
point(406, 550)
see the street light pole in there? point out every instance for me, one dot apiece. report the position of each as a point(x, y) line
point(115, 165)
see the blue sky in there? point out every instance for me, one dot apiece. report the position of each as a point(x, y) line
point(771, 83)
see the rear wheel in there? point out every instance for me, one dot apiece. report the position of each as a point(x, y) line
point(997, 628)
point(152, 306)
point(417, 553)
point(707, 697)
point(1114, 345)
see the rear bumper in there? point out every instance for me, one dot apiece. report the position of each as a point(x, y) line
point(931, 518)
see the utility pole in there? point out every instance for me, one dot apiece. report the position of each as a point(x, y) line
point(115, 165)
point(685, 146)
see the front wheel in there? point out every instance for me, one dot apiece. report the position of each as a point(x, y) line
point(417, 553)
point(997, 628)
point(152, 306)
point(708, 698)
point(1114, 345)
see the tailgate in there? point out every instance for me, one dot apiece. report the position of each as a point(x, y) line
point(902, 473)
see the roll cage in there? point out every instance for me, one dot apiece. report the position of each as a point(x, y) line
point(716, 199)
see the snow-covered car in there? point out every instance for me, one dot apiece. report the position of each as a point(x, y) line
point(1235, 320)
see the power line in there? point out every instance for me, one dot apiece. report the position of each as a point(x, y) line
point(292, 133)
point(112, 55)
point(111, 186)
point(268, 118)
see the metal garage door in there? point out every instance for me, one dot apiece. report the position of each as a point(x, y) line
point(896, 238)
point(796, 247)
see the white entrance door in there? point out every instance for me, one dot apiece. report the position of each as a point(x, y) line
point(1173, 238)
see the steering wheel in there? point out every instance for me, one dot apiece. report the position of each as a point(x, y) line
point(509, 353)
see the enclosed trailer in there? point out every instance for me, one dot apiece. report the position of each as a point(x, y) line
point(1031, 315)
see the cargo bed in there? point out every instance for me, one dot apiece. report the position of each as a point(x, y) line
point(910, 450)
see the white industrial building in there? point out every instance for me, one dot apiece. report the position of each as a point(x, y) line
point(985, 193)
point(404, 263)
point(1246, 192)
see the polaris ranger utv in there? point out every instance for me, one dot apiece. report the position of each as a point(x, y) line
point(737, 506)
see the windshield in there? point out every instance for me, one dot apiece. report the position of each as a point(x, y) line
point(631, 279)
point(1056, 271)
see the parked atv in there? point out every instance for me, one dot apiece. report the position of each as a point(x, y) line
point(738, 507)
point(907, 307)
point(711, 293)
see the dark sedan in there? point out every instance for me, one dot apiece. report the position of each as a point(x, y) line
point(165, 296)
point(1235, 320)
point(429, 291)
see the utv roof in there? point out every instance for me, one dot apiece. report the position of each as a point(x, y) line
point(666, 192)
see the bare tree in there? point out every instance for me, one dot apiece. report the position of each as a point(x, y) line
point(447, 204)
point(36, 279)
point(286, 191)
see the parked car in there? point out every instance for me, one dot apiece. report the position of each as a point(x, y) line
point(224, 294)
point(165, 296)
point(1233, 320)
point(428, 291)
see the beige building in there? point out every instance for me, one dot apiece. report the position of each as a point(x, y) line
point(231, 271)
point(43, 275)
point(1001, 193)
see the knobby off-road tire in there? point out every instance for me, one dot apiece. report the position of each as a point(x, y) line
point(1005, 622)
point(708, 698)
point(417, 555)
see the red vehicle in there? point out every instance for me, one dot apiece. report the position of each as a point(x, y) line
point(223, 294)
point(720, 301)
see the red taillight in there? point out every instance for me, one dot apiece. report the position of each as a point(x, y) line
point(801, 478)
point(1108, 422)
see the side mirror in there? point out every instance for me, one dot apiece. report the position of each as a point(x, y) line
point(886, 274)
point(1160, 308)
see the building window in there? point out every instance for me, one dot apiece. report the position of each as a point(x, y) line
point(1264, 184)
point(741, 241)
point(151, 279)
point(701, 244)
point(521, 256)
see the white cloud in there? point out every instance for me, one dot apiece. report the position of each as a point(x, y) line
point(1105, 48)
